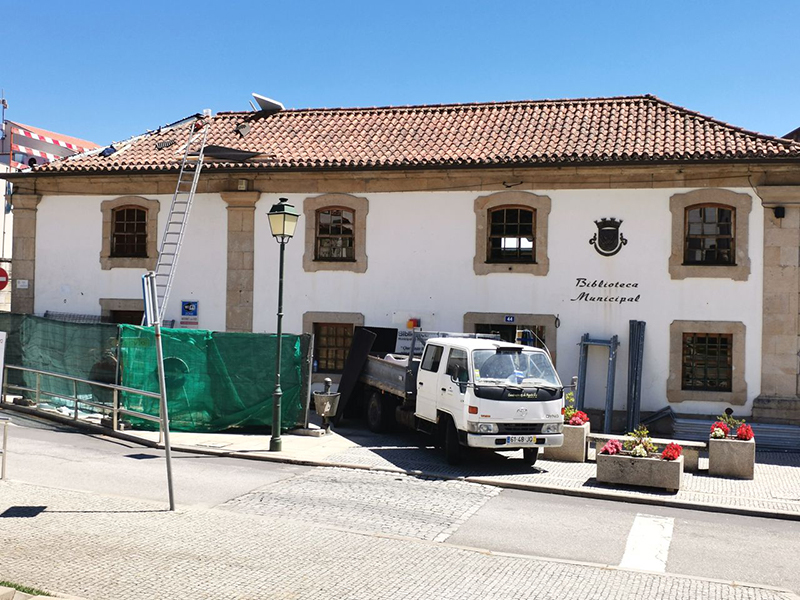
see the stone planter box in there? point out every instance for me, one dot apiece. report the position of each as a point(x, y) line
point(574, 447)
point(732, 458)
point(631, 470)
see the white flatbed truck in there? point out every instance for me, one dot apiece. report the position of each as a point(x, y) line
point(469, 392)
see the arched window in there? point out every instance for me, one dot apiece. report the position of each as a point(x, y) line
point(129, 232)
point(710, 235)
point(511, 235)
point(335, 234)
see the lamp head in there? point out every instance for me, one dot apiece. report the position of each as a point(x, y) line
point(283, 220)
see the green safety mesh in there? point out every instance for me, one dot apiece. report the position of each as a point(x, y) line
point(85, 351)
point(215, 381)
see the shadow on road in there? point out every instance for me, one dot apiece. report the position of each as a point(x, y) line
point(414, 451)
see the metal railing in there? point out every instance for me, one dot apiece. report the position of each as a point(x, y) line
point(115, 409)
point(4, 423)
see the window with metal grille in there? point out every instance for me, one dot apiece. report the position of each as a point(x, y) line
point(331, 345)
point(335, 235)
point(707, 362)
point(129, 233)
point(710, 235)
point(511, 235)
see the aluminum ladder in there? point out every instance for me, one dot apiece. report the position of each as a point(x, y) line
point(178, 216)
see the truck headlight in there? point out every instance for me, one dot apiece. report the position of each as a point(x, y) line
point(474, 427)
point(553, 428)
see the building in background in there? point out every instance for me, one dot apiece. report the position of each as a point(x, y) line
point(22, 147)
point(565, 217)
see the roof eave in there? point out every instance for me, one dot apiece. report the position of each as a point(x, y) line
point(410, 167)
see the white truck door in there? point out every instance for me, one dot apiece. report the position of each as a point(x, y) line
point(452, 385)
point(427, 380)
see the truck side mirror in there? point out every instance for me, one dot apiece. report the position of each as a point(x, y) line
point(461, 377)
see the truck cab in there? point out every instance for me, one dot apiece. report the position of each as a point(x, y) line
point(489, 394)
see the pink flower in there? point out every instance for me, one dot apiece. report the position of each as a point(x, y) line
point(579, 418)
point(611, 447)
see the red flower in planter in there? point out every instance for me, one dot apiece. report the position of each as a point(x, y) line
point(745, 432)
point(722, 426)
point(579, 418)
point(671, 452)
point(611, 447)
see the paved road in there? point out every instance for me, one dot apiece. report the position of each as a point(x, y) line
point(55, 455)
point(322, 532)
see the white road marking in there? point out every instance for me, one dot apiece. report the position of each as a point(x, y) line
point(648, 543)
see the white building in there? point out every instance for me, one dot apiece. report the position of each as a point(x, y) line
point(470, 217)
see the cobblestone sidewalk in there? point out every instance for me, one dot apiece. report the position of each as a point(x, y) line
point(775, 489)
point(102, 548)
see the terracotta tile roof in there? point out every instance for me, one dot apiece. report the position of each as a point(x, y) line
point(622, 130)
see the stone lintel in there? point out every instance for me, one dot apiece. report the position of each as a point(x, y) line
point(244, 200)
point(772, 195)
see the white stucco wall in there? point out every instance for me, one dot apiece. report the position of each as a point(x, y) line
point(420, 248)
point(68, 273)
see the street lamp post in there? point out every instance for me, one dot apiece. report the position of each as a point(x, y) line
point(282, 222)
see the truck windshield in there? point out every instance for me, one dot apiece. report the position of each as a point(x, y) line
point(515, 368)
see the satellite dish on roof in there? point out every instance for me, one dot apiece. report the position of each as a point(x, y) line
point(267, 105)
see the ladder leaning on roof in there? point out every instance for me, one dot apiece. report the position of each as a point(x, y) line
point(178, 216)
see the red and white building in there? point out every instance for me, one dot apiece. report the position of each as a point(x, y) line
point(22, 147)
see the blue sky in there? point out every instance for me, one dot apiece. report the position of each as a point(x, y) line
point(107, 70)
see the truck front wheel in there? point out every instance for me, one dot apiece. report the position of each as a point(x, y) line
point(453, 451)
point(529, 455)
point(379, 413)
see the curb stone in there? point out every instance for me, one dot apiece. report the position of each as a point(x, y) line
point(611, 495)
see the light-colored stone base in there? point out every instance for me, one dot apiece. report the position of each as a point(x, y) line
point(783, 411)
point(690, 450)
point(574, 447)
point(649, 472)
point(732, 458)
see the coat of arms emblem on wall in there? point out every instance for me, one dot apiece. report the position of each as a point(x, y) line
point(608, 240)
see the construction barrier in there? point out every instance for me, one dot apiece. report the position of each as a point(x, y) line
point(215, 381)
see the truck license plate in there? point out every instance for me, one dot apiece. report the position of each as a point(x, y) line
point(520, 439)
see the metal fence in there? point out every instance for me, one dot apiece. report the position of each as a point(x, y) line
point(38, 394)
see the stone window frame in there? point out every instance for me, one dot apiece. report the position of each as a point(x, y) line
point(311, 317)
point(538, 320)
point(107, 305)
point(738, 394)
point(742, 205)
point(539, 204)
point(107, 207)
point(360, 206)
